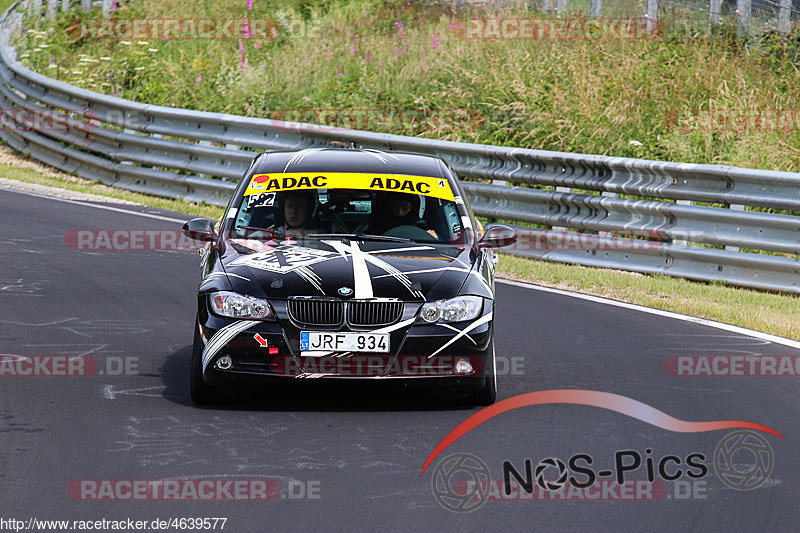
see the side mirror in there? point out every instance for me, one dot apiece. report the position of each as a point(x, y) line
point(498, 236)
point(200, 229)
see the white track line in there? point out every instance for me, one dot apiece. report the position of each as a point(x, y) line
point(106, 207)
point(669, 314)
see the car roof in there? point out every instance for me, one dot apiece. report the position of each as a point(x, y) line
point(349, 160)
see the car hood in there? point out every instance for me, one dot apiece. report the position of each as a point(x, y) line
point(344, 268)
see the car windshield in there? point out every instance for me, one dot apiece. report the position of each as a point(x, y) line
point(402, 208)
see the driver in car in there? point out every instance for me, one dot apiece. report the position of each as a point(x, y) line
point(298, 208)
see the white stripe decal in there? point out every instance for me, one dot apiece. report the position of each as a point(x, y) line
point(377, 156)
point(407, 249)
point(399, 276)
point(389, 329)
point(440, 269)
point(222, 337)
point(299, 156)
point(202, 335)
point(361, 280)
point(464, 331)
point(448, 326)
point(387, 154)
point(310, 276)
point(363, 283)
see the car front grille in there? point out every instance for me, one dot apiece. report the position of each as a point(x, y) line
point(316, 312)
point(360, 313)
point(368, 313)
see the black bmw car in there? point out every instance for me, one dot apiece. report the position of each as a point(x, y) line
point(346, 264)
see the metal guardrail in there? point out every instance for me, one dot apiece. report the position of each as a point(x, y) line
point(198, 156)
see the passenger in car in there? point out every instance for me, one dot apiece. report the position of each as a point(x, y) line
point(403, 211)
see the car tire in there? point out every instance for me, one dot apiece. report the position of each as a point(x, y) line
point(486, 394)
point(201, 392)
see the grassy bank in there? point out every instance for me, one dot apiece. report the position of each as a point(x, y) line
point(617, 97)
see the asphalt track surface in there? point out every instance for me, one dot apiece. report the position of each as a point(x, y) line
point(361, 449)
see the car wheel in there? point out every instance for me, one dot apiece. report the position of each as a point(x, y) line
point(201, 392)
point(487, 393)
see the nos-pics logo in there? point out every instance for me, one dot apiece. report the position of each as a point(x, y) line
point(743, 460)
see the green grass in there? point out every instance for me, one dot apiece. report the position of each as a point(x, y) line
point(578, 96)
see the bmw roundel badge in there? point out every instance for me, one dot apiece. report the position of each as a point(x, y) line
point(345, 291)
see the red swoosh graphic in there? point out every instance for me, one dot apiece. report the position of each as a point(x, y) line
point(605, 400)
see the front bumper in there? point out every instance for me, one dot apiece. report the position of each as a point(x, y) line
point(262, 352)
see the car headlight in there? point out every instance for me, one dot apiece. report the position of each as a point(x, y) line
point(236, 305)
point(452, 310)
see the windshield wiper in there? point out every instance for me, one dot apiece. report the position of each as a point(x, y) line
point(362, 237)
point(260, 230)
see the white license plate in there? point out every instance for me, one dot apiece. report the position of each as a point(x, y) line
point(343, 342)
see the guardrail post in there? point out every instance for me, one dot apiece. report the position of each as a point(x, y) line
point(52, 7)
point(607, 194)
point(566, 190)
point(64, 6)
point(106, 8)
point(204, 142)
point(561, 6)
point(652, 14)
point(744, 9)
point(735, 207)
point(715, 11)
point(784, 16)
point(596, 8)
point(682, 242)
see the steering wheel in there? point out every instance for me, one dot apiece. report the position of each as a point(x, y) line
point(410, 232)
